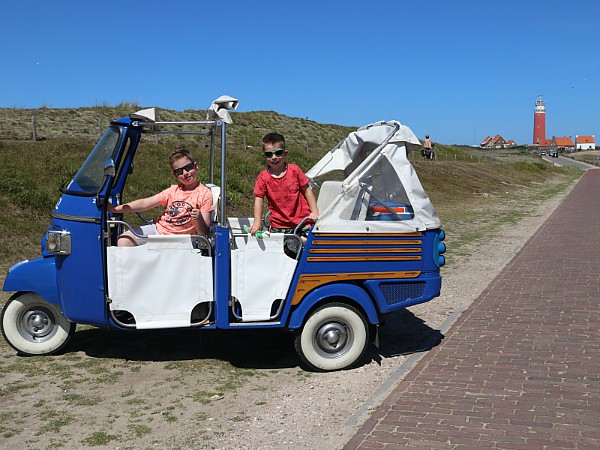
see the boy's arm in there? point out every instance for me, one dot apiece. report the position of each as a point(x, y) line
point(202, 213)
point(258, 208)
point(202, 221)
point(138, 205)
point(312, 201)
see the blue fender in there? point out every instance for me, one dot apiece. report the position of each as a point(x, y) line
point(320, 294)
point(36, 275)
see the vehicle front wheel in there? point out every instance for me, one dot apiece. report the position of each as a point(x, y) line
point(334, 337)
point(33, 326)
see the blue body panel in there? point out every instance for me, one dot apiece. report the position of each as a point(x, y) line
point(334, 255)
point(222, 261)
point(80, 275)
point(338, 290)
point(394, 294)
point(36, 275)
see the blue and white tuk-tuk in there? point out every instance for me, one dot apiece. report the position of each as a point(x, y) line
point(376, 248)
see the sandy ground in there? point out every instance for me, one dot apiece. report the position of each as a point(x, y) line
point(244, 392)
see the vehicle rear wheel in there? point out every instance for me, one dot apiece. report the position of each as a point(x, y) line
point(33, 326)
point(334, 337)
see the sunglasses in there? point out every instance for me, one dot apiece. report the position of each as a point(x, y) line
point(188, 168)
point(279, 152)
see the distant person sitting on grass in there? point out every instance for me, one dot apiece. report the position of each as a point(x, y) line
point(188, 204)
point(286, 189)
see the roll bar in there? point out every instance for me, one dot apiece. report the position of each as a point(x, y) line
point(151, 127)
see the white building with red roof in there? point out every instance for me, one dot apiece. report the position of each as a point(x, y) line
point(585, 142)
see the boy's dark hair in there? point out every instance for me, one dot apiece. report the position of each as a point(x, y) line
point(274, 138)
point(180, 153)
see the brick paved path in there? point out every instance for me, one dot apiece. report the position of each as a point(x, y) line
point(521, 367)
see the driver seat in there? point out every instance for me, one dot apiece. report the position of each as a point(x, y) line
point(216, 196)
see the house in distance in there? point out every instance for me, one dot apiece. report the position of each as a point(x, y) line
point(585, 142)
point(497, 142)
point(562, 145)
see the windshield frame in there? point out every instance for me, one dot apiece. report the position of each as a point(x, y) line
point(90, 177)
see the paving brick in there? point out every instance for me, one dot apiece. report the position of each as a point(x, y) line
point(520, 368)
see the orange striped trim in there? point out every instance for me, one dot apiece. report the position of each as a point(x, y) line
point(366, 242)
point(308, 282)
point(361, 258)
point(365, 250)
point(389, 235)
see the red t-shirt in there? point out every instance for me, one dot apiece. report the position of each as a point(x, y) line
point(287, 204)
point(177, 219)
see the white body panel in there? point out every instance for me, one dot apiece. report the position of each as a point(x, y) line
point(261, 273)
point(160, 282)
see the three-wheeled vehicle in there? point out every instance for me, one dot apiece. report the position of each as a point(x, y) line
point(376, 248)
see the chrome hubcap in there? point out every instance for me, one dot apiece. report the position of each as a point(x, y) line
point(37, 324)
point(332, 338)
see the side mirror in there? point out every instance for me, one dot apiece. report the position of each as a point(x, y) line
point(109, 168)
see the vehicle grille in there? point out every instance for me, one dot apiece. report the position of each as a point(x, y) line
point(399, 292)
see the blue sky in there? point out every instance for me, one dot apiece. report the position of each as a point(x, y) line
point(458, 70)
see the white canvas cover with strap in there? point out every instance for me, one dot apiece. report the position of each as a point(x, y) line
point(382, 144)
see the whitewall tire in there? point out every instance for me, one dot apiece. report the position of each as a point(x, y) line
point(334, 337)
point(33, 326)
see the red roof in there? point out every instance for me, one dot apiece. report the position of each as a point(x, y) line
point(545, 142)
point(584, 139)
point(486, 141)
point(563, 141)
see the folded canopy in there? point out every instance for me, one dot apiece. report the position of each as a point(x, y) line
point(378, 182)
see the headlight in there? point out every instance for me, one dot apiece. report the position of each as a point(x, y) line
point(58, 242)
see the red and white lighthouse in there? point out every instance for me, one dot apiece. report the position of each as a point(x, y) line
point(539, 121)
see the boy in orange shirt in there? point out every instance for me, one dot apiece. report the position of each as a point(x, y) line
point(188, 204)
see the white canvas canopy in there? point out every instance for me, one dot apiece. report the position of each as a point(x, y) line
point(376, 171)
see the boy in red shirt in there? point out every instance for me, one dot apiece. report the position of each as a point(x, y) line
point(286, 189)
point(188, 204)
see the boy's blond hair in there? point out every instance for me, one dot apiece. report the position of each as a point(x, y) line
point(180, 153)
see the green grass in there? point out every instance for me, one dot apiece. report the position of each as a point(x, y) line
point(81, 400)
point(99, 438)
point(205, 397)
point(587, 156)
point(139, 430)
point(54, 421)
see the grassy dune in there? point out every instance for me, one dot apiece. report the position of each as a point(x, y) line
point(464, 183)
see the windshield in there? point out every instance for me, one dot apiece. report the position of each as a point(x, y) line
point(89, 178)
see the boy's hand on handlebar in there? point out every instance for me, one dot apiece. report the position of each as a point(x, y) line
point(254, 232)
point(314, 216)
point(253, 229)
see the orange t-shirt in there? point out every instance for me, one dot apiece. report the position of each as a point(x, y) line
point(177, 217)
